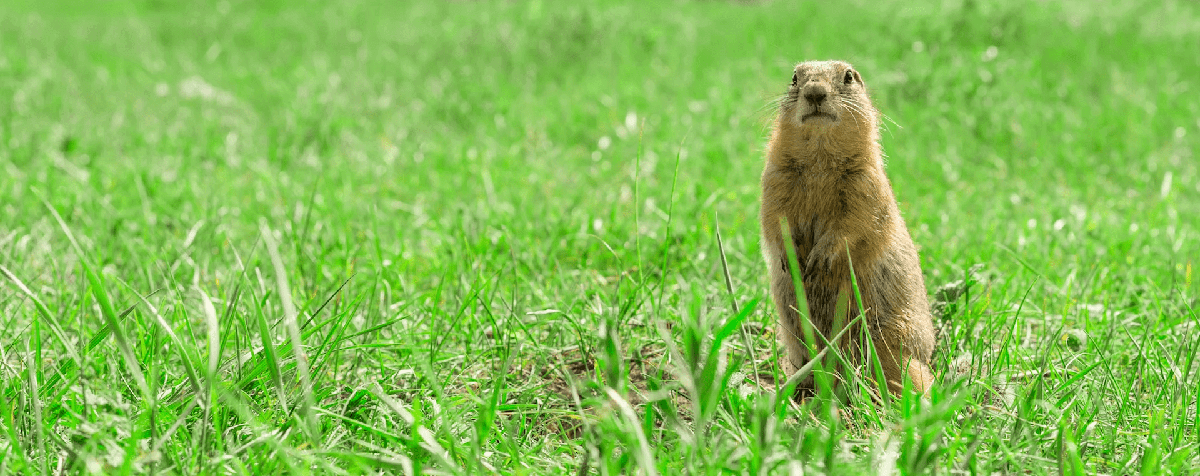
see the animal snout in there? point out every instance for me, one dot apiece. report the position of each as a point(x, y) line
point(815, 94)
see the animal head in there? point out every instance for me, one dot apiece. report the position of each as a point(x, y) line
point(829, 98)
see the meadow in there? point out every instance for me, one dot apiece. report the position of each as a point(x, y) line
point(521, 237)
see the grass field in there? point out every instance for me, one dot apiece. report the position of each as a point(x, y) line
point(474, 237)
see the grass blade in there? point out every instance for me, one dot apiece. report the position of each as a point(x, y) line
point(43, 311)
point(643, 455)
point(96, 285)
point(214, 332)
point(291, 322)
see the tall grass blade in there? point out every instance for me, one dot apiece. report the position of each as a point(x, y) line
point(96, 285)
point(291, 322)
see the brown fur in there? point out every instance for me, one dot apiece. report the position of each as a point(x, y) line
point(824, 175)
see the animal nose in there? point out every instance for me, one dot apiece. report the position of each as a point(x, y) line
point(815, 96)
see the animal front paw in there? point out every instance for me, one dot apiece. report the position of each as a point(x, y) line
point(826, 261)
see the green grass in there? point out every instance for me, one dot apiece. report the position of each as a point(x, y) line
point(484, 233)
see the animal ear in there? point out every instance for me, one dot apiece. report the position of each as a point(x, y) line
point(857, 77)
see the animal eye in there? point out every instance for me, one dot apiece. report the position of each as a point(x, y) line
point(795, 78)
point(849, 79)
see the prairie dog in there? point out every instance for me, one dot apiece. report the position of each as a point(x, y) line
point(824, 175)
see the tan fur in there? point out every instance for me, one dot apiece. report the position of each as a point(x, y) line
point(824, 175)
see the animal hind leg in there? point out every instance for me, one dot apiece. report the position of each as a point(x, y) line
point(899, 362)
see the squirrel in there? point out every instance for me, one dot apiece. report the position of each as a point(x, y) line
point(824, 177)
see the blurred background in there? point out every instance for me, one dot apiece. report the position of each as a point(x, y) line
point(1012, 123)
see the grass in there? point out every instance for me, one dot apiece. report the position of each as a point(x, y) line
point(475, 237)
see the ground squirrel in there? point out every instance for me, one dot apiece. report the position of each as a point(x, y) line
point(824, 175)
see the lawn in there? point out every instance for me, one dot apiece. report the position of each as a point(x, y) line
point(469, 237)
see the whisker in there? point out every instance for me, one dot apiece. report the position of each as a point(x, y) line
point(857, 110)
point(774, 102)
point(889, 119)
point(771, 107)
point(852, 109)
point(880, 124)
